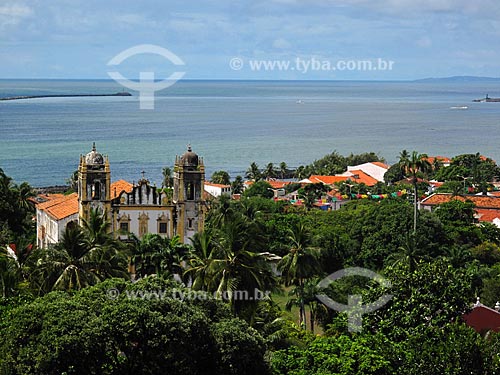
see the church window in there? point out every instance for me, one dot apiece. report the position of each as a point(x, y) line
point(190, 191)
point(190, 223)
point(162, 228)
point(96, 190)
point(163, 224)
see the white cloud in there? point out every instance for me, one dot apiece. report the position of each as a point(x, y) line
point(13, 14)
point(15, 10)
point(424, 42)
point(281, 43)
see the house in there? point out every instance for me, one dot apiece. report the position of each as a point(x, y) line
point(443, 160)
point(487, 208)
point(352, 176)
point(54, 212)
point(482, 318)
point(374, 169)
point(216, 190)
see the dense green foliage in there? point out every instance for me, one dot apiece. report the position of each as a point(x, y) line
point(57, 314)
point(95, 331)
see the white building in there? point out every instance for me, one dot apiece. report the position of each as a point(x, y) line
point(216, 190)
point(374, 169)
point(54, 213)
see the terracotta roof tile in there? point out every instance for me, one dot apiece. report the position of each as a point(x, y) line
point(487, 215)
point(119, 186)
point(380, 164)
point(363, 178)
point(60, 206)
point(480, 201)
point(327, 180)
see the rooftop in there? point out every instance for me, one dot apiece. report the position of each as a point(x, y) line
point(120, 186)
point(480, 201)
point(60, 206)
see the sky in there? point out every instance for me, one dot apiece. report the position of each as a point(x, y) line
point(228, 39)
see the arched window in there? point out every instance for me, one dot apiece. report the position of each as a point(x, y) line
point(190, 191)
point(96, 190)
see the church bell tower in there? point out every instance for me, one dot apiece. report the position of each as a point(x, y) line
point(189, 179)
point(94, 180)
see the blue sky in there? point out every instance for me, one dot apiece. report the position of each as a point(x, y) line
point(76, 39)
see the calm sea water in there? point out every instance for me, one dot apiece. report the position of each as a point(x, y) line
point(233, 123)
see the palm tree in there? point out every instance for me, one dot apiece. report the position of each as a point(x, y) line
point(409, 254)
point(227, 262)
point(253, 172)
point(96, 228)
point(283, 169)
point(168, 180)
point(220, 177)
point(411, 166)
point(269, 172)
point(154, 254)
point(66, 266)
point(300, 264)
point(306, 295)
point(200, 263)
point(237, 185)
point(85, 256)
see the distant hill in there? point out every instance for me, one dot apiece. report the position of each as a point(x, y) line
point(460, 79)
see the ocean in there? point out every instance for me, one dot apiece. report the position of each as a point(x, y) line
point(233, 123)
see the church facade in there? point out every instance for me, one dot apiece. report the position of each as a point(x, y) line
point(138, 208)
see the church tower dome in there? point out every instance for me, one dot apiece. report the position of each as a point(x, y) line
point(190, 158)
point(94, 157)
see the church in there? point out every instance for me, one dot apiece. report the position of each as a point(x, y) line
point(138, 208)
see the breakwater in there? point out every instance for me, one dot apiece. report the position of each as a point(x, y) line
point(124, 93)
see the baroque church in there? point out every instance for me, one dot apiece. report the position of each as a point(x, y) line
point(138, 208)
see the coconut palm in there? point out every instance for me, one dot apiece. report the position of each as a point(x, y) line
point(229, 263)
point(283, 169)
point(168, 180)
point(300, 264)
point(253, 172)
point(84, 256)
point(154, 254)
point(270, 172)
point(409, 253)
point(237, 185)
point(411, 166)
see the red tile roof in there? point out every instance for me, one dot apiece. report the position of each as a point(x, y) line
point(442, 159)
point(487, 214)
point(119, 186)
point(480, 201)
point(60, 206)
point(327, 180)
point(380, 164)
point(363, 178)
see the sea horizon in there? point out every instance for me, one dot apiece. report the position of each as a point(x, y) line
point(232, 123)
